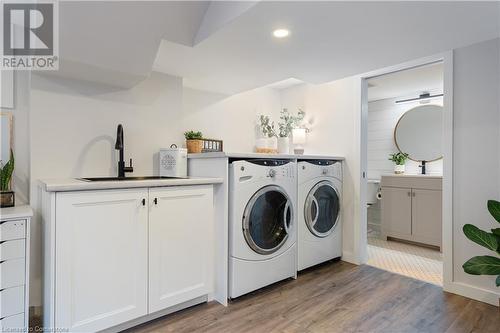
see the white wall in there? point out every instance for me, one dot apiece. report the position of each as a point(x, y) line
point(476, 149)
point(333, 109)
point(74, 123)
point(383, 116)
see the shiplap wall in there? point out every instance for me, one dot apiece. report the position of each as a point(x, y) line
point(383, 116)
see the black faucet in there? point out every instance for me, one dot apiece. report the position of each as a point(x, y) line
point(423, 167)
point(119, 146)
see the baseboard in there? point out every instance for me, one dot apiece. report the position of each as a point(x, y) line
point(472, 292)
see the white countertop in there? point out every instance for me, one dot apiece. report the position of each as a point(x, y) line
point(258, 155)
point(74, 184)
point(412, 175)
point(16, 212)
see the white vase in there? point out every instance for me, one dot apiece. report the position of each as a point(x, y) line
point(398, 169)
point(284, 145)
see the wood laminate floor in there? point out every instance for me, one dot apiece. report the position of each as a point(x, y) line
point(337, 297)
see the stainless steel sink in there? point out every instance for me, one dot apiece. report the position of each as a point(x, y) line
point(109, 179)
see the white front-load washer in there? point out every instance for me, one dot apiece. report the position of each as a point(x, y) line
point(319, 211)
point(262, 223)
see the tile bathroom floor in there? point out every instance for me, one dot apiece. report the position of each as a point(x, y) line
point(417, 262)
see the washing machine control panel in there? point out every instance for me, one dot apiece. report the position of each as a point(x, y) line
point(267, 168)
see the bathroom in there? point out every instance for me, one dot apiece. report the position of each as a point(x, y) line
point(404, 172)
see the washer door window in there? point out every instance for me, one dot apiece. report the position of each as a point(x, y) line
point(322, 209)
point(267, 219)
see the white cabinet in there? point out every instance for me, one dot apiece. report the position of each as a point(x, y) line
point(101, 258)
point(115, 257)
point(412, 208)
point(14, 268)
point(179, 245)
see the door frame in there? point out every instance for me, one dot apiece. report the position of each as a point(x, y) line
point(447, 229)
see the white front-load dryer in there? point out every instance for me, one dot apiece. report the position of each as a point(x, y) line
point(262, 224)
point(319, 211)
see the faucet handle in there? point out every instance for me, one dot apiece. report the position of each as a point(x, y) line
point(128, 168)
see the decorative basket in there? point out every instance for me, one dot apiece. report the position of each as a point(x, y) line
point(194, 146)
point(7, 199)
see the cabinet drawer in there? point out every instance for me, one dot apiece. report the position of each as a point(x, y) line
point(11, 301)
point(13, 323)
point(12, 230)
point(13, 249)
point(12, 273)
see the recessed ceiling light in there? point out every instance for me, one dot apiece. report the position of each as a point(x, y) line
point(281, 33)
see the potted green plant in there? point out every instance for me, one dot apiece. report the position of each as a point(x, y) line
point(7, 198)
point(399, 159)
point(285, 126)
point(194, 143)
point(266, 143)
point(487, 264)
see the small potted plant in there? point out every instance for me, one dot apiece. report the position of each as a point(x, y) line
point(267, 142)
point(194, 143)
point(7, 198)
point(287, 123)
point(400, 160)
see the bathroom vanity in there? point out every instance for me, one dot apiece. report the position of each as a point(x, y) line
point(134, 245)
point(412, 208)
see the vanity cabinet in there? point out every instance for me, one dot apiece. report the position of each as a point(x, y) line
point(118, 255)
point(412, 208)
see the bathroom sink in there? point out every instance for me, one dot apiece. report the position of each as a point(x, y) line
point(107, 179)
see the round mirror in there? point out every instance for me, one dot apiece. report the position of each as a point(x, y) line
point(419, 133)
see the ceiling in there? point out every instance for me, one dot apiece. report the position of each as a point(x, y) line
point(228, 47)
point(404, 83)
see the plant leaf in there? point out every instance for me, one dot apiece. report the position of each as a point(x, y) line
point(481, 237)
point(494, 209)
point(496, 231)
point(482, 265)
point(497, 281)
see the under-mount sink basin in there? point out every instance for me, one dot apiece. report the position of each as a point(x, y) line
point(107, 179)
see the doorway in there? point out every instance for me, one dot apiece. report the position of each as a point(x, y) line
point(403, 147)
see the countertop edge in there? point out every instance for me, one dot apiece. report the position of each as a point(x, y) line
point(16, 212)
point(69, 185)
point(259, 155)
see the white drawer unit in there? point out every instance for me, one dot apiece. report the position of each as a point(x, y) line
point(14, 268)
point(13, 249)
point(11, 301)
point(13, 323)
point(15, 229)
point(12, 273)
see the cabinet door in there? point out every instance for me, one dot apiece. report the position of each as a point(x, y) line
point(101, 258)
point(396, 212)
point(180, 245)
point(427, 216)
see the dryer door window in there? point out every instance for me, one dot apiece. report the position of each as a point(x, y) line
point(267, 219)
point(322, 209)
